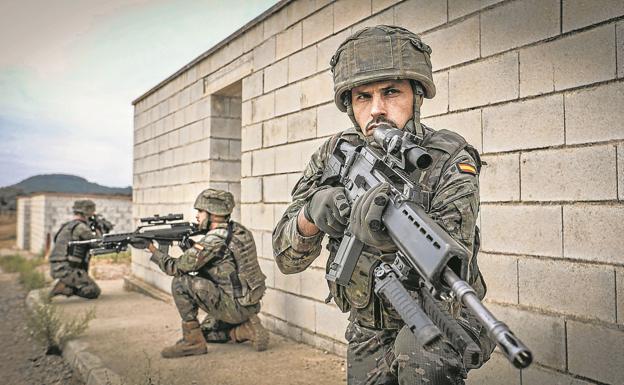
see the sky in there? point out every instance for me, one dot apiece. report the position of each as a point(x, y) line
point(70, 69)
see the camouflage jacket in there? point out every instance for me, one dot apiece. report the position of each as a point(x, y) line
point(233, 267)
point(74, 230)
point(454, 204)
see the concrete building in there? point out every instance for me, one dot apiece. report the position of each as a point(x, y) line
point(536, 86)
point(40, 215)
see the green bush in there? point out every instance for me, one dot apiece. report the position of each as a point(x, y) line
point(53, 329)
point(29, 276)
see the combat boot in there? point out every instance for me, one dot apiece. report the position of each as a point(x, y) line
point(191, 344)
point(61, 289)
point(253, 331)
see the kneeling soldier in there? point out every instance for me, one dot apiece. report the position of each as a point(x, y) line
point(219, 274)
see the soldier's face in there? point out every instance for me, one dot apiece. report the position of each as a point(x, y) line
point(390, 102)
point(201, 216)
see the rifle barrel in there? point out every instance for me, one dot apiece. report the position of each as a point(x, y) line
point(516, 352)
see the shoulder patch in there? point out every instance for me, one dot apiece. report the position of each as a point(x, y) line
point(467, 168)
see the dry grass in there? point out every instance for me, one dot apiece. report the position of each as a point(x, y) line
point(8, 230)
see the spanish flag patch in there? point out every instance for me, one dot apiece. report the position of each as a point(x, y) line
point(467, 168)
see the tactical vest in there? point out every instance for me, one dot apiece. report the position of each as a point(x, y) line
point(443, 146)
point(248, 280)
point(62, 252)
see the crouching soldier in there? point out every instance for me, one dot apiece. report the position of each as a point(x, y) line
point(69, 265)
point(219, 274)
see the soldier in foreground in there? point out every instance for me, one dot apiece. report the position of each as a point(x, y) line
point(381, 75)
point(70, 264)
point(219, 274)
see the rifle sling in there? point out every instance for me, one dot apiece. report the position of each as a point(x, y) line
point(236, 283)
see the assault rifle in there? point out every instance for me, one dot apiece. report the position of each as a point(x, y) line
point(426, 252)
point(163, 229)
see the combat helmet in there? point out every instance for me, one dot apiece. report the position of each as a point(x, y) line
point(85, 207)
point(381, 53)
point(216, 202)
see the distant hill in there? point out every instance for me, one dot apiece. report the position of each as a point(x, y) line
point(62, 183)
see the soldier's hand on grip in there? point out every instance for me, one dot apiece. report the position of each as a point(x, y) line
point(366, 224)
point(329, 210)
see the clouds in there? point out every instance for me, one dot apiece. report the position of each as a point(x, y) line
point(72, 68)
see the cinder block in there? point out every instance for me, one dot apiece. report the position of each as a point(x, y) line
point(521, 229)
point(327, 48)
point(274, 303)
point(379, 5)
point(578, 14)
point(594, 232)
point(518, 23)
point(330, 321)
point(253, 37)
point(268, 268)
point(620, 171)
point(276, 188)
point(317, 89)
point(318, 25)
point(227, 128)
point(252, 85)
point(467, 124)
point(226, 171)
point(439, 104)
point(313, 284)
point(263, 162)
point(459, 8)
point(454, 44)
point(584, 173)
point(500, 178)
point(620, 48)
point(330, 120)
point(290, 283)
point(261, 217)
point(500, 273)
point(302, 125)
point(301, 312)
point(384, 18)
point(349, 12)
point(573, 61)
point(288, 99)
point(251, 190)
point(275, 132)
point(595, 352)
point(275, 23)
point(263, 107)
point(288, 41)
point(251, 137)
point(276, 75)
point(267, 245)
point(554, 286)
point(536, 375)
point(288, 157)
point(299, 64)
point(596, 114)
point(619, 285)
point(264, 54)
point(246, 164)
point(484, 82)
point(246, 111)
point(299, 9)
point(544, 334)
point(420, 15)
point(278, 210)
point(496, 371)
point(501, 123)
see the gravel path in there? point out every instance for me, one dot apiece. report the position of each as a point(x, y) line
point(22, 360)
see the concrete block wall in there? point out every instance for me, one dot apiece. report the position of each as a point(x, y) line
point(536, 86)
point(23, 223)
point(44, 213)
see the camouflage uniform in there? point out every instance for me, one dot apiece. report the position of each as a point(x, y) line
point(70, 265)
point(381, 350)
point(206, 277)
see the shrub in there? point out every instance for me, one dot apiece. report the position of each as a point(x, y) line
point(29, 276)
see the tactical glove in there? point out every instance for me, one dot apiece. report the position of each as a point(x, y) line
point(366, 224)
point(329, 210)
point(139, 243)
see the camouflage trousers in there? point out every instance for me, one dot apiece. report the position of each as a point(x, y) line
point(223, 312)
point(76, 279)
point(391, 357)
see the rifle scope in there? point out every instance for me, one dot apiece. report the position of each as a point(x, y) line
point(396, 143)
point(157, 219)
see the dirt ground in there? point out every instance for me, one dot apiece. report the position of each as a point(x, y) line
point(8, 229)
point(22, 360)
